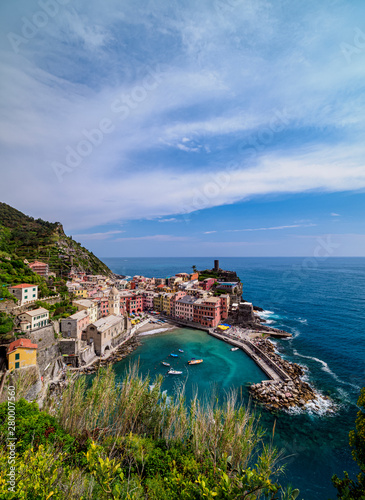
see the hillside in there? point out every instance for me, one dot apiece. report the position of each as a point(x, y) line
point(23, 237)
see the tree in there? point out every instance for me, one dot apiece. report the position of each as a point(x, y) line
point(347, 488)
point(194, 269)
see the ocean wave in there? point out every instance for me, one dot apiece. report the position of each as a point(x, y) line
point(152, 332)
point(326, 369)
point(265, 313)
point(302, 320)
point(320, 406)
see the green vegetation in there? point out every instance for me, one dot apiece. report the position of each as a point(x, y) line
point(347, 488)
point(131, 442)
point(59, 310)
point(24, 237)
point(6, 324)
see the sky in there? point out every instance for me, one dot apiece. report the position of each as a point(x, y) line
point(210, 128)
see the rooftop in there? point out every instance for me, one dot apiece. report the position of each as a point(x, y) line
point(26, 343)
point(35, 312)
point(103, 324)
point(23, 285)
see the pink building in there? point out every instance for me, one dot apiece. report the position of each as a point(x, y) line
point(225, 302)
point(148, 300)
point(208, 283)
point(74, 325)
point(184, 308)
point(104, 307)
point(207, 312)
point(177, 296)
point(134, 304)
point(40, 268)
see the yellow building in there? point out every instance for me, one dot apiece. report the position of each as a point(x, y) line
point(21, 353)
point(80, 292)
point(158, 302)
point(166, 305)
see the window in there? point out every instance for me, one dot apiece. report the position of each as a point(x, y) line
point(17, 364)
point(33, 294)
point(33, 289)
point(17, 355)
point(26, 297)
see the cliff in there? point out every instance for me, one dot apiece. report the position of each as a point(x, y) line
point(23, 237)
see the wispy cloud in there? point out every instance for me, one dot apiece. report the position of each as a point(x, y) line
point(97, 236)
point(274, 228)
point(171, 219)
point(333, 214)
point(209, 232)
point(155, 237)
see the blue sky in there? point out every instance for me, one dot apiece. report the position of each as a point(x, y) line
point(227, 128)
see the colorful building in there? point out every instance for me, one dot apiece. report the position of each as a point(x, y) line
point(40, 268)
point(184, 308)
point(87, 305)
point(74, 325)
point(31, 320)
point(21, 353)
point(24, 293)
point(207, 312)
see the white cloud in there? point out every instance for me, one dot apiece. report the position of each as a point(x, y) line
point(333, 214)
point(275, 228)
point(227, 76)
point(97, 236)
point(209, 232)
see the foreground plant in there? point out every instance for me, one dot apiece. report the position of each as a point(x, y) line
point(132, 442)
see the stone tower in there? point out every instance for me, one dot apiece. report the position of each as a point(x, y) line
point(216, 265)
point(114, 302)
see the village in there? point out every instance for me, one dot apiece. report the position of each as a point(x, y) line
point(110, 312)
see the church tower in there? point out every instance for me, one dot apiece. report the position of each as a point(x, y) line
point(114, 302)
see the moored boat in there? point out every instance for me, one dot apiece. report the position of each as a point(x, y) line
point(174, 355)
point(195, 361)
point(234, 348)
point(166, 364)
point(180, 350)
point(174, 372)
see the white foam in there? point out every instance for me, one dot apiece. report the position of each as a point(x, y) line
point(152, 332)
point(302, 320)
point(326, 369)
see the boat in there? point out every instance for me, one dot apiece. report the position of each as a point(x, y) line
point(173, 372)
point(174, 355)
point(166, 364)
point(234, 348)
point(195, 361)
point(180, 350)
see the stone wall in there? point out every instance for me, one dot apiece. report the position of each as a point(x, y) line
point(49, 357)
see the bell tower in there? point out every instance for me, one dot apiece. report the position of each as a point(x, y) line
point(114, 302)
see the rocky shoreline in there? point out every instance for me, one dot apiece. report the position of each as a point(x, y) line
point(276, 395)
point(120, 353)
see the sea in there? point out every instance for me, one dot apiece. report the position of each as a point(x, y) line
point(321, 302)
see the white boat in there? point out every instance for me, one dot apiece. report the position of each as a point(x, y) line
point(174, 372)
point(166, 364)
point(234, 348)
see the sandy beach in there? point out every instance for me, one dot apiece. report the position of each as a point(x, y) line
point(152, 328)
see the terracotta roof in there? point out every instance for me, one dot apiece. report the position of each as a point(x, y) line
point(23, 285)
point(21, 343)
point(37, 262)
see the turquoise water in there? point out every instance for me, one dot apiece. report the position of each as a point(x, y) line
point(221, 367)
point(322, 304)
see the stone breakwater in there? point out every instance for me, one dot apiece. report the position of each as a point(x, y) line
point(279, 395)
point(120, 353)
